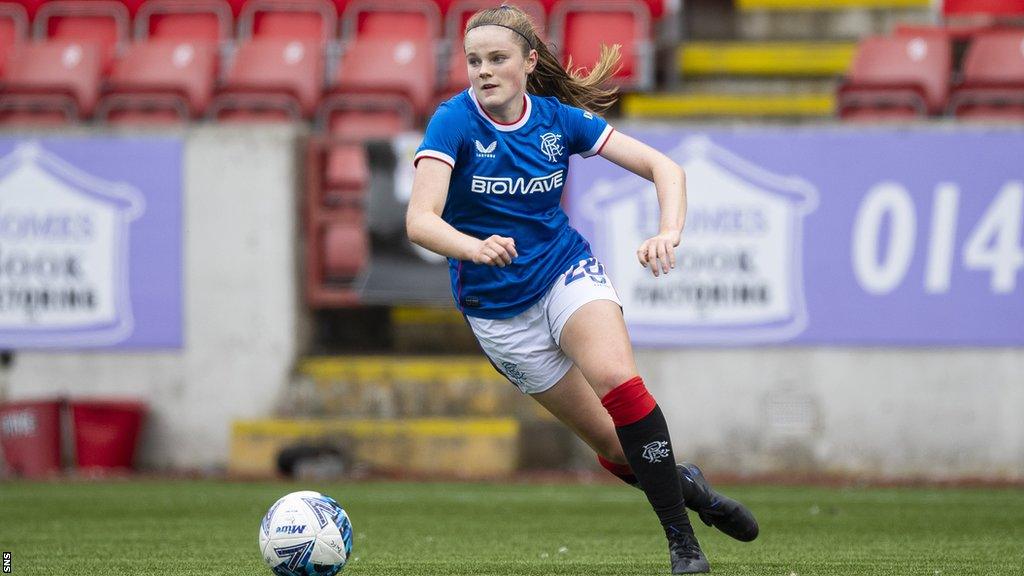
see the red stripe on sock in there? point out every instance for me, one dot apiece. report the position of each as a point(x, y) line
point(619, 470)
point(629, 402)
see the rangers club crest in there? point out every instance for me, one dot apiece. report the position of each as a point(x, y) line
point(512, 371)
point(550, 147)
point(655, 451)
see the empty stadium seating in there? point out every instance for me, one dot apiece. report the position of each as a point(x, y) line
point(338, 246)
point(195, 20)
point(307, 20)
point(896, 78)
point(402, 67)
point(346, 175)
point(50, 82)
point(992, 85)
point(105, 23)
point(267, 81)
point(344, 249)
point(628, 24)
point(160, 81)
point(271, 79)
point(395, 19)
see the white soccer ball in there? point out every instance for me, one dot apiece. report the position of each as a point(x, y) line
point(306, 534)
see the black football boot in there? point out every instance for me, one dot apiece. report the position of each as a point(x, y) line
point(684, 552)
point(729, 516)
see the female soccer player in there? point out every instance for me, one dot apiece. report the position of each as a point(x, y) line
point(488, 181)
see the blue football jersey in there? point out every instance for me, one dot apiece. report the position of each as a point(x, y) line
point(507, 179)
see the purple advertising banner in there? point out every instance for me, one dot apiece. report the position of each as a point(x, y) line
point(825, 235)
point(90, 242)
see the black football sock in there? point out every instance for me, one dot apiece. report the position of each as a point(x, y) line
point(643, 433)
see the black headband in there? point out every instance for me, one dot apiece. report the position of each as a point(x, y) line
point(528, 42)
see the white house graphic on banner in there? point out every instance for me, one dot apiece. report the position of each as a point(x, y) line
point(739, 273)
point(64, 252)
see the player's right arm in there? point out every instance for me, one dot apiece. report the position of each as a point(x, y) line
point(424, 225)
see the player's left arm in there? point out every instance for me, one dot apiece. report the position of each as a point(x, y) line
point(658, 252)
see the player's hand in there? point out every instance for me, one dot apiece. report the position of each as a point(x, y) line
point(495, 251)
point(658, 253)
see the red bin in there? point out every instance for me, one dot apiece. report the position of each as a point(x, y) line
point(106, 433)
point(30, 433)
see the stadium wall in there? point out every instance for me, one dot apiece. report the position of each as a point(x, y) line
point(880, 414)
point(240, 302)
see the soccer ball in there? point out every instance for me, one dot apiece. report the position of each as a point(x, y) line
point(306, 534)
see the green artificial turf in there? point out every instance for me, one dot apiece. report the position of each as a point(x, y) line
point(424, 529)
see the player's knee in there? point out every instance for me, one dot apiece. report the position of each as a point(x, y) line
point(610, 380)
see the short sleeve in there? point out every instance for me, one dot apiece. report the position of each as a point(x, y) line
point(586, 132)
point(443, 137)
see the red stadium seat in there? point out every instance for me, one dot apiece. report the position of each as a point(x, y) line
point(161, 79)
point(103, 22)
point(271, 78)
point(345, 248)
point(374, 119)
point(346, 172)
point(992, 85)
point(394, 19)
point(401, 67)
point(983, 7)
point(337, 243)
point(195, 20)
point(307, 20)
point(892, 77)
point(51, 80)
point(995, 59)
point(628, 24)
point(337, 253)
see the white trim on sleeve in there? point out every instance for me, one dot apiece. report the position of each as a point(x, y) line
point(435, 155)
point(601, 140)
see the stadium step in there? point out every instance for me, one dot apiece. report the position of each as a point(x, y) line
point(455, 447)
point(418, 415)
point(811, 20)
point(404, 387)
point(765, 58)
point(811, 105)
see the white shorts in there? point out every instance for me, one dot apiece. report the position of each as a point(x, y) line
point(525, 348)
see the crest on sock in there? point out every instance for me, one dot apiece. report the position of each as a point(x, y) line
point(655, 451)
